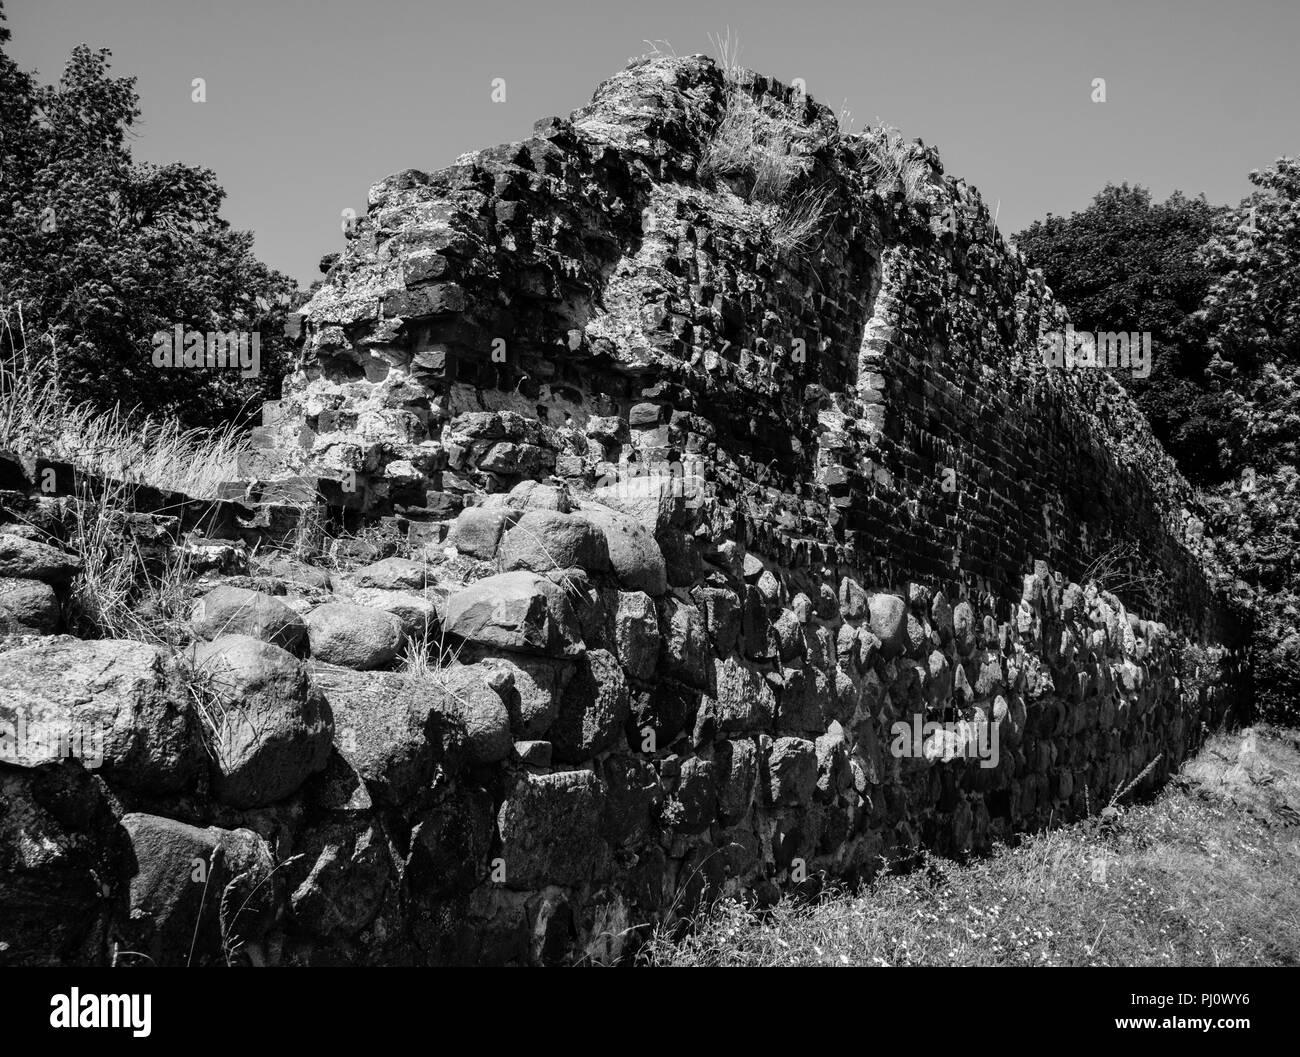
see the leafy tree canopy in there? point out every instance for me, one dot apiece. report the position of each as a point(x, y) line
point(98, 253)
point(1126, 263)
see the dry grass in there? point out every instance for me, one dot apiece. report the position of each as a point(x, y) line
point(36, 419)
point(728, 51)
point(758, 154)
point(429, 652)
point(888, 160)
point(658, 48)
point(753, 149)
point(213, 700)
point(846, 120)
point(1203, 875)
point(122, 592)
point(755, 152)
point(794, 228)
point(1117, 570)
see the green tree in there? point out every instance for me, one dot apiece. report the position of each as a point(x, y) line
point(1250, 317)
point(1127, 263)
point(100, 253)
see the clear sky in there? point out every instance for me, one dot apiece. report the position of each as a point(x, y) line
point(309, 102)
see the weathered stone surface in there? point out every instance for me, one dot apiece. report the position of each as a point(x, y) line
point(593, 708)
point(381, 725)
point(636, 633)
point(197, 896)
point(737, 777)
point(477, 531)
point(24, 559)
point(757, 639)
point(293, 572)
point(533, 495)
point(722, 613)
point(348, 866)
point(550, 829)
point(743, 699)
point(393, 574)
point(694, 803)
point(941, 617)
point(450, 844)
point(648, 499)
point(64, 864)
point(337, 790)
point(534, 753)
point(467, 695)
point(792, 771)
point(227, 610)
point(963, 622)
point(684, 644)
point(354, 636)
point(27, 607)
point(418, 614)
point(661, 712)
point(853, 599)
point(682, 558)
point(889, 623)
point(631, 790)
point(114, 704)
point(517, 611)
point(532, 696)
point(272, 727)
point(833, 772)
point(634, 556)
point(806, 700)
point(789, 635)
point(546, 540)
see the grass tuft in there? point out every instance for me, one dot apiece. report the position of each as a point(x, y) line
point(757, 154)
point(36, 418)
point(122, 591)
point(886, 159)
point(794, 228)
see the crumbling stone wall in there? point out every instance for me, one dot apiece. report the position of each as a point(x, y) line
point(877, 469)
point(704, 527)
point(878, 401)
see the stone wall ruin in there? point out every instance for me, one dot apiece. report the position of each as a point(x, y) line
point(654, 689)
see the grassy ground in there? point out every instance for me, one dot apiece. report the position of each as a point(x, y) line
point(1203, 875)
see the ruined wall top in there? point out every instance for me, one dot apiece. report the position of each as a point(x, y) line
point(700, 269)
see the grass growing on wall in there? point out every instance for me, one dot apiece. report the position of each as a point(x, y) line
point(37, 419)
point(759, 154)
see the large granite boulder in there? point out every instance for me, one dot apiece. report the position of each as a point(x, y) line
point(268, 726)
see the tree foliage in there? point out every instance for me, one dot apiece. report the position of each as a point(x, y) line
point(1127, 263)
point(1251, 319)
point(1220, 291)
point(98, 253)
